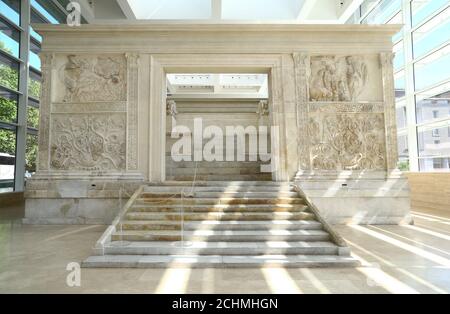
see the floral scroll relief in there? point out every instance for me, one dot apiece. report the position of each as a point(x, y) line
point(88, 142)
point(88, 79)
point(347, 141)
point(337, 78)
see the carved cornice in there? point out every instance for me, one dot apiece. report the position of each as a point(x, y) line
point(187, 37)
point(187, 26)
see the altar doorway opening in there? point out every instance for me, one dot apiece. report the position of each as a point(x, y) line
point(218, 127)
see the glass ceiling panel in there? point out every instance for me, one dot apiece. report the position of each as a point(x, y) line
point(171, 9)
point(238, 84)
point(260, 9)
point(216, 9)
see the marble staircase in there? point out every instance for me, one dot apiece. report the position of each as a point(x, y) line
point(220, 224)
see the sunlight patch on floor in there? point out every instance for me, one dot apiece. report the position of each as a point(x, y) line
point(279, 281)
point(415, 250)
point(398, 269)
point(315, 281)
point(174, 280)
point(376, 277)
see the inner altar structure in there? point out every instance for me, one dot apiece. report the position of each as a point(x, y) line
point(104, 113)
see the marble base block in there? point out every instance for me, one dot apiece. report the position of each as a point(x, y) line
point(350, 197)
point(77, 198)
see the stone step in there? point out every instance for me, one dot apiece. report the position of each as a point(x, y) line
point(219, 208)
point(223, 194)
point(211, 164)
point(223, 189)
point(221, 177)
point(169, 132)
point(239, 261)
point(222, 235)
point(225, 137)
point(223, 183)
point(173, 171)
point(223, 146)
point(220, 248)
point(177, 200)
point(245, 157)
point(221, 225)
point(251, 216)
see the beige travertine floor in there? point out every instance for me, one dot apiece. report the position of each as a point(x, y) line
point(396, 259)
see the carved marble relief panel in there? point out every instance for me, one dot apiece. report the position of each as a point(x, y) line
point(94, 141)
point(348, 78)
point(88, 118)
point(90, 78)
point(347, 138)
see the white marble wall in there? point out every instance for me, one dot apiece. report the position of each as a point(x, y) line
point(103, 107)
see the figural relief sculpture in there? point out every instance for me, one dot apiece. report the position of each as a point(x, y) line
point(347, 141)
point(171, 108)
point(93, 78)
point(337, 78)
point(263, 108)
point(88, 142)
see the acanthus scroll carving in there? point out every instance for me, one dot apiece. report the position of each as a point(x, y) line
point(337, 78)
point(86, 79)
point(88, 142)
point(347, 141)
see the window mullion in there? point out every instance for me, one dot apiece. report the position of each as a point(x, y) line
point(409, 88)
point(21, 136)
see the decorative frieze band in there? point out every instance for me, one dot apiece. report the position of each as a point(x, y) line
point(47, 65)
point(302, 63)
point(386, 61)
point(89, 107)
point(346, 107)
point(133, 77)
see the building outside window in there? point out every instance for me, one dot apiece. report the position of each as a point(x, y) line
point(421, 76)
point(20, 85)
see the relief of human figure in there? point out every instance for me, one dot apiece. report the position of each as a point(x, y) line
point(357, 75)
point(323, 84)
point(339, 79)
point(92, 79)
point(71, 75)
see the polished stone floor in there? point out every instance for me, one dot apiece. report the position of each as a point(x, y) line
point(395, 259)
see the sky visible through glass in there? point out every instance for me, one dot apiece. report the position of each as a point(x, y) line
point(12, 45)
point(440, 71)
